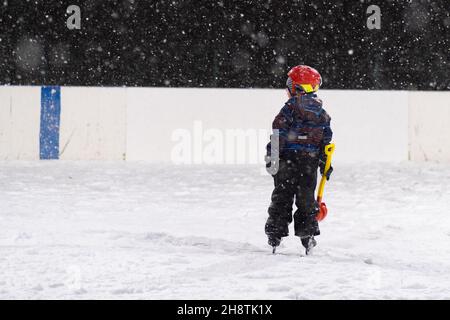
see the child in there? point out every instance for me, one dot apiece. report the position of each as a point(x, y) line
point(301, 130)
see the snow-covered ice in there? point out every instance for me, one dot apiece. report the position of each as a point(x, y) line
point(80, 230)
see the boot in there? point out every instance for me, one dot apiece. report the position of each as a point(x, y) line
point(309, 243)
point(274, 242)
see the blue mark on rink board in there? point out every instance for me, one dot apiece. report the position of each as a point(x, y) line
point(50, 119)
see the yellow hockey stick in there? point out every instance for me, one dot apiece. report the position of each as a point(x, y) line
point(323, 211)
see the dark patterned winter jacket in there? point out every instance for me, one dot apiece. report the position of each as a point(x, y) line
point(303, 125)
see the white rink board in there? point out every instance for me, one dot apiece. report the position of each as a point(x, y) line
point(368, 125)
point(93, 123)
point(148, 124)
point(154, 115)
point(19, 122)
point(430, 126)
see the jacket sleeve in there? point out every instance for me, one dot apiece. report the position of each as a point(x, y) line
point(327, 137)
point(327, 133)
point(280, 126)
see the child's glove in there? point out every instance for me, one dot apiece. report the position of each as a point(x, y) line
point(322, 168)
point(271, 165)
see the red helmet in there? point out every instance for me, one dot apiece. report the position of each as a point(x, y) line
point(303, 79)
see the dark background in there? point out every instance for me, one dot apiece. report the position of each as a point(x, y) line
point(209, 43)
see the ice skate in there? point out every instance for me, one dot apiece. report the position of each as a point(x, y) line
point(309, 243)
point(274, 242)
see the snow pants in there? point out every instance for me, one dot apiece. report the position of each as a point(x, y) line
point(296, 179)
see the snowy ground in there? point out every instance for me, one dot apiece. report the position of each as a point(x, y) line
point(79, 230)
